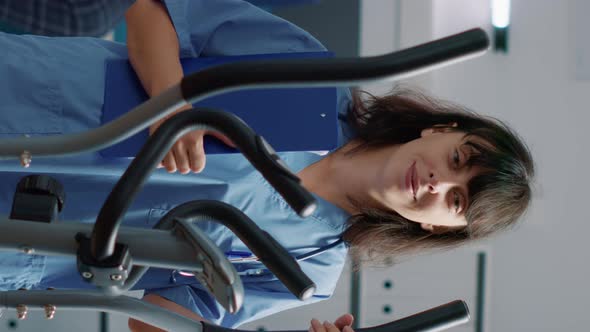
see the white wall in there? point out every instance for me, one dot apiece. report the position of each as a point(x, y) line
point(539, 273)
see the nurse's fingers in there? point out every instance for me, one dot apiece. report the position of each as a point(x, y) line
point(337, 326)
point(316, 326)
point(330, 327)
point(169, 162)
point(181, 157)
point(196, 153)
point(344, 320)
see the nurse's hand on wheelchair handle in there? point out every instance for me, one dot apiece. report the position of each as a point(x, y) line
point(187, 154)
point(341, 324)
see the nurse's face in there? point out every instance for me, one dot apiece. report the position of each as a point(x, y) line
point(425, 180)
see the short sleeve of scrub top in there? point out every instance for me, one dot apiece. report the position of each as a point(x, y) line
point(236, 27)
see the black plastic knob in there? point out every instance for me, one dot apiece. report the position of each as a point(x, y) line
point(42, 185)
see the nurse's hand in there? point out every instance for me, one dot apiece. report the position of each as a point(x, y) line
point(187, 154)
point(342, 324)
point(153, 49)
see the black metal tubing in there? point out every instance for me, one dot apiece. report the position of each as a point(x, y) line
point(104, 233)
point(329, 72)
point(434, 319)
point(263, 245)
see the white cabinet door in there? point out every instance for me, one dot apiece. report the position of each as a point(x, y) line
point(418, 284)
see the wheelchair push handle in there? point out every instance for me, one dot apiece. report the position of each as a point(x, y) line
point(252, 146)
point(435, 319)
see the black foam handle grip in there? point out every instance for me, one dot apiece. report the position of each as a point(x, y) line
point(435, 319)
point(330, 72)
point(286, 268)
point(278, 174)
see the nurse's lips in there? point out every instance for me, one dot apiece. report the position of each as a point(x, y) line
point(415, 181)
point(412, 180)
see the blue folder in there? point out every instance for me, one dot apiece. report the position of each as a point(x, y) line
point(290, 119)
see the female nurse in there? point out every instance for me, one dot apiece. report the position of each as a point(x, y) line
point(412, 174)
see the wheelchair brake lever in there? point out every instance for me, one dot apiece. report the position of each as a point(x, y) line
point(218, 275)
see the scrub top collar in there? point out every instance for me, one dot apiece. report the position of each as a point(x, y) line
point(325, 211)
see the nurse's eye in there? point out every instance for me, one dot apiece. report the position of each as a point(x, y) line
point(456, 158)
point(457, 198)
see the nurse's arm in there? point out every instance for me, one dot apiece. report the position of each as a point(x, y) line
point(139, 326)
point(153, 46)
point(154, 54)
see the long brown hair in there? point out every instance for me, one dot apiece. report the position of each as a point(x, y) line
point(499, 195)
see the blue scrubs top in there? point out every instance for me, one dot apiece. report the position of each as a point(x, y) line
point(53, 86)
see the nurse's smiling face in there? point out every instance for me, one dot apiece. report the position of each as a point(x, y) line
point(425, 180)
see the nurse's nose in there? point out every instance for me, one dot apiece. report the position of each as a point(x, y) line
point(433, 183)
point(441, 182)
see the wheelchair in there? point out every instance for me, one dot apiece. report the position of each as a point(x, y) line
point(114, 258)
